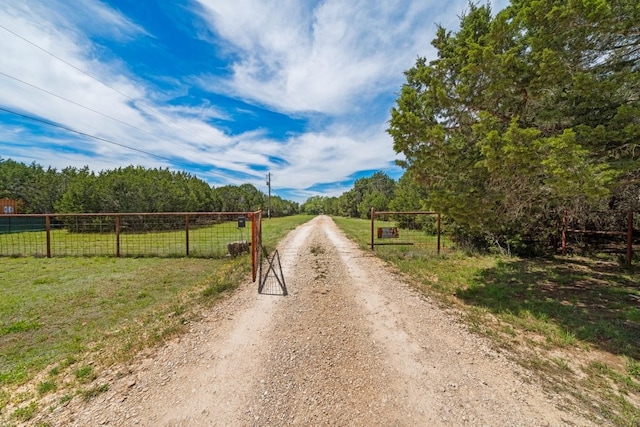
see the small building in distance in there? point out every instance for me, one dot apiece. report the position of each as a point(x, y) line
point(8, 206)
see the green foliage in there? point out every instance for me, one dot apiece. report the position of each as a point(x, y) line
point(409, 195)
point(129, 189)
point(94, 391)
point(375, 191)
point(525, 115)
point(85, 374)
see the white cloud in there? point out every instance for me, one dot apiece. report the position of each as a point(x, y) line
point(324, 57)
point(133, 120)
point(326, 60)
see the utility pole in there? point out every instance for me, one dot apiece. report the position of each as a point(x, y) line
point(269, 186)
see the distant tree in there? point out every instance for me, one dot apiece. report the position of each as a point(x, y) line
point(281, 207)
point(375, 192)
point(314, 205)
point(35, 188)
point(128, 189)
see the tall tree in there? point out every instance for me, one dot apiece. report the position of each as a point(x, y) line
point(524, 115)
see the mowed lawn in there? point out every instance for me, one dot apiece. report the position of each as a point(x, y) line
point(56, 314)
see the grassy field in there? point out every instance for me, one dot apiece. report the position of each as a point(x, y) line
point(576, 321)
point(64, 319)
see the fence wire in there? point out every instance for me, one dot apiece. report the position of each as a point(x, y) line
point(207, 235)
point(407, 234)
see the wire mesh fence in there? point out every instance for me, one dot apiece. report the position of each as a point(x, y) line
point(207, 235)
point(407, 234)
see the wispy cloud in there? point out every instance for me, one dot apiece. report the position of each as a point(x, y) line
point(329, 69)
point(322, 58)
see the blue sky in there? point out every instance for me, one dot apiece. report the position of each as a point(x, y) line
point(225, 90)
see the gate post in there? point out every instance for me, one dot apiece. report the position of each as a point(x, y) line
point(564, 233)
point(117, 236)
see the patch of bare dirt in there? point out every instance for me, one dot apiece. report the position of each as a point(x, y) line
point(352, 344)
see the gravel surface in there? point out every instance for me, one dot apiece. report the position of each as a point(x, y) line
point(352, 344)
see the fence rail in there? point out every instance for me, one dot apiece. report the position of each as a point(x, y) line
point(618, 234)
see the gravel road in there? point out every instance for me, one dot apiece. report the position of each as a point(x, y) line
point(351, 345)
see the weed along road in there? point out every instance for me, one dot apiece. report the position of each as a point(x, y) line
point(352, 344)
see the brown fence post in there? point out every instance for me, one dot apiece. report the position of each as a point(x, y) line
point(186, 231)
point(629, 237)
point(564, 233)
point(373, 214)
point(438, 233)
point(48, 229)
point(117, 236)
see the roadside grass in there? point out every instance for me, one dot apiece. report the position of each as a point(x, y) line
point(63, 320)
point(574, 320)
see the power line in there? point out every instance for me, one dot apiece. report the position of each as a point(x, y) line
point(66, 62)
point(269, 185)
point(138, 103)
point(79, 105)
point(46, 122)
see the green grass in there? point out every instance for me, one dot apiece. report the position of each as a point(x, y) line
point(567, 304)
point(59, 313)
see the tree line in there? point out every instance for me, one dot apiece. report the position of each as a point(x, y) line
point(379, 191)
point(128, 189)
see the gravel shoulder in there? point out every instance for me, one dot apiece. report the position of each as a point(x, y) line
point(352, 344)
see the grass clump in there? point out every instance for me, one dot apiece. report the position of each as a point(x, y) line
point(25, 413)
point(47, 387)
point(85, 374)
point(95, 391)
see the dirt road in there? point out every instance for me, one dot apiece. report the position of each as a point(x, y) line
point(352, 344)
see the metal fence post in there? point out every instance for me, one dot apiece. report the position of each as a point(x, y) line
point(186, 231)
point(438, 233)
point(117, 236)
point(564, 233)
point(48, 230)
point(629, 237)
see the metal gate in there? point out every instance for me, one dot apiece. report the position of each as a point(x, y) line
point(409, 232)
